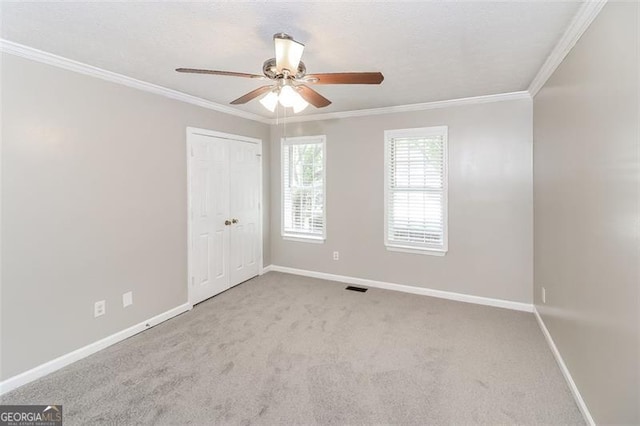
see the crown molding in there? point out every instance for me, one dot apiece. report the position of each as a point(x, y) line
point(411, 107)
point(579, 24)
point(31, 53)
point(27, 52)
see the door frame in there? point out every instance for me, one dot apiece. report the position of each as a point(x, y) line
point(191, 132)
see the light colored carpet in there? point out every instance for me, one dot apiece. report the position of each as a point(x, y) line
point(282, 349)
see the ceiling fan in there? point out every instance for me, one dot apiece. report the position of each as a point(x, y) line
point(290, 80)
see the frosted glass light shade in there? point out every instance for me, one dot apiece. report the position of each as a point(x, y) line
point(300, 104)
point(269, 101)
point(288, 96)
point(288, 54)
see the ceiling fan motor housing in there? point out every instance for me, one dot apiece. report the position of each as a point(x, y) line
point(269, 69)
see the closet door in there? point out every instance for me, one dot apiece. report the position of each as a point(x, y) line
point(209, 210)
point(224, 194)
point(244, 206)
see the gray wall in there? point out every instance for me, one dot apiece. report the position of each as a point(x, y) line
point(94, 204)
point(586, 180)
point(490, 202)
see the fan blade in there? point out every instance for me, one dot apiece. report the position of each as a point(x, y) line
point(227, 73)
point(346, 78)
point(313, 97)
point(252, 95)
point(288, 53)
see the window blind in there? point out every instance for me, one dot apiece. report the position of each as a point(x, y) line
point(416, 174)
point(303, 177)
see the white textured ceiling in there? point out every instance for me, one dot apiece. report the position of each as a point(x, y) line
point(426, 51)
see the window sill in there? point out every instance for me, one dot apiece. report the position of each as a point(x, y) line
point(413, 250)
point(312, 240)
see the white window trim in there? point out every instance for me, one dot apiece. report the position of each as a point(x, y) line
point(303, 239)
point(322, 139)
point(424, 131)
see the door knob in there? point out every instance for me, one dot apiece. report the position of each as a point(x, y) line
point(234, 220)
point(227, 222)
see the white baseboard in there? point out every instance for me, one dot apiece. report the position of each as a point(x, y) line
point(479, 300)
point(64, 360)
point(565, 371)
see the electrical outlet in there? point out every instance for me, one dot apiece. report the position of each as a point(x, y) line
point(336, 255)
point(127, 299)
point(544, 295)
point(99, 308)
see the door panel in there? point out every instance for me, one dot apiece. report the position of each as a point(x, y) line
point(219, 256)
point(209, 209)
point(244, 199)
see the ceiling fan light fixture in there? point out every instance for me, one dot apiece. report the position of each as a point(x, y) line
point(270, 101)
point(288, 53)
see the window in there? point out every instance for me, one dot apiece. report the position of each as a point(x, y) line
point(303, 184)
point(416, 190)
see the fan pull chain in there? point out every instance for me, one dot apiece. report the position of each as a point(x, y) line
point(284, 123)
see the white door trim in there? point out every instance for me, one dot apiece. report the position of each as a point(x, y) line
point(191, 131)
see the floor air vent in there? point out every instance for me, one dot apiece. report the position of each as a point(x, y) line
point(360, 289)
